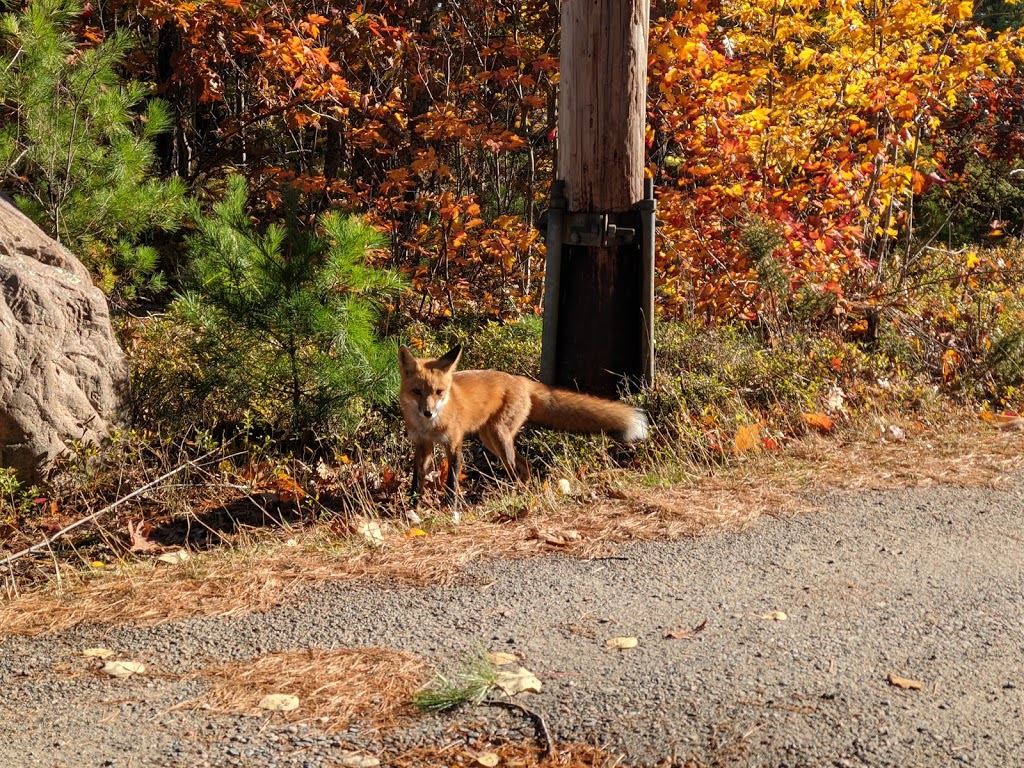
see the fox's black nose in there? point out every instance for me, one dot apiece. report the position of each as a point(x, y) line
point(429, 414)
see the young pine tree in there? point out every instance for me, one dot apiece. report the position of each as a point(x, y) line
point(286, 315)
point(76, 146)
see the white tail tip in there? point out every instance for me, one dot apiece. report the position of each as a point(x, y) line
point(637, 430)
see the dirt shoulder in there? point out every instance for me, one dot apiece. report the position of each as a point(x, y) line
point(924, 584)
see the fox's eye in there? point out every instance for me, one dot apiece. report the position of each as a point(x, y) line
point(417, 391)
point(438, 392)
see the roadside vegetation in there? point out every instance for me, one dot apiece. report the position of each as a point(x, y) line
point(272, 215)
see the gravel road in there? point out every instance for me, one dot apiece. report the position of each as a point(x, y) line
point(925, 584)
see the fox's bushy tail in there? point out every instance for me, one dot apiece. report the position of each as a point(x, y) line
point(574, 412)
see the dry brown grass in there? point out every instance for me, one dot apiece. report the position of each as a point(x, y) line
point(334, 687)
point(257, 579)
point(959, 452)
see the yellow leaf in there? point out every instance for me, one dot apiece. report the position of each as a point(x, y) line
point(950, 362)
point(412, 533)
point(622, 643)
point(905, 683)
point(804, 60)
point(516, 681)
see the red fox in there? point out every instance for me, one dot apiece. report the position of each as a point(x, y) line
point(442, 406)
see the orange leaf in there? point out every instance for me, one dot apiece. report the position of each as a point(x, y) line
point(746, 438)
point(288, 490)
point(950, 363)
point(818, 421)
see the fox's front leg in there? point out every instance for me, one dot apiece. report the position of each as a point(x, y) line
point(451, 483)
point(423, 457)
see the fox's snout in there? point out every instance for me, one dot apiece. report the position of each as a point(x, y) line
point(428, 406)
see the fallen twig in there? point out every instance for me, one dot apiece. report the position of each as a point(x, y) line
point(539, 724)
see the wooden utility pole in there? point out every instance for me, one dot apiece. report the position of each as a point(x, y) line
point(600, 235)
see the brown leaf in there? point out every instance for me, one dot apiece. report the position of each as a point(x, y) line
point(679, 634)
point(288, 489)
point(173, 558)
point(500, 658)
point(513, 681)
point(371, 532)
point(138, 534)
point(124, 668)
point(98, 653)
point(686, 634)
point(1008, 421)
point(279, 702)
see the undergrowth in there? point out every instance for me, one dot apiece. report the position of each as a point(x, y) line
point(720, 393)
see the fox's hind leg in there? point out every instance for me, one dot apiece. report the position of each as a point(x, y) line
point(501, 443)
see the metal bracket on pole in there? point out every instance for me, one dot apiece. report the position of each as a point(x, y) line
point(553, 225)
point(648, 208)
point(594, 230)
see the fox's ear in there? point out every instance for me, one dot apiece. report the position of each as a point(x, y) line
point(450, 358)
point(406, 361)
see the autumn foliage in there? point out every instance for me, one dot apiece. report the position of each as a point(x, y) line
point(432, 119)
point(820, 122)
point(819, 118)
point(791, 142)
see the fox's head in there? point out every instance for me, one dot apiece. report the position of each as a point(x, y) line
point(426, 382)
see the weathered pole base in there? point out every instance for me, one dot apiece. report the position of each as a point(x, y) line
point(599, 297)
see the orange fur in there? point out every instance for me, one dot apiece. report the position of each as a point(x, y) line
point(442, 406)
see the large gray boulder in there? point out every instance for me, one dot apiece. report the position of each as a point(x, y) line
point(62, 375)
